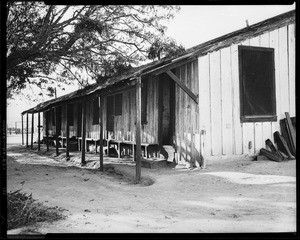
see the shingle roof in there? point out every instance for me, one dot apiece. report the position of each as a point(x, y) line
point(198, 50)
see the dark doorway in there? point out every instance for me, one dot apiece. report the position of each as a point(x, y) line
point(79, 119)
point(167, 110)
point(59, 118)
point(110, 113)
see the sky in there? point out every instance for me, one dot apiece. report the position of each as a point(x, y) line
point(191, 26)
point(196, 24)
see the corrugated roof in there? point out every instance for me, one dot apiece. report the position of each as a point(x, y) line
point(199, 50)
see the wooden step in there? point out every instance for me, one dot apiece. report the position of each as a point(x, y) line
point(170, 150)
point(157, 163)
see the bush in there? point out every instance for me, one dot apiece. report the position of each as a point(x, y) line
point(23, 210)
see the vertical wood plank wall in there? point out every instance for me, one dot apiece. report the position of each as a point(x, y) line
point(219, 95)
point(187, 138)
point(124, 125)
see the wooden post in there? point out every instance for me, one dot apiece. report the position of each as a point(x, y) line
point(138, 130)
point(22, 130)
point(47, 130)
point(202, 151)
point(282, 145)
point(160, 112)
point(39, 131)
point(83, 132)
point(101, 133)
point(26, 130)
point(68, 133)
point(56, 131)
point(32, 126)
point(291, 133)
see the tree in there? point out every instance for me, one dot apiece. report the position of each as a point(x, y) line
point(97, 40)
point(164, 47)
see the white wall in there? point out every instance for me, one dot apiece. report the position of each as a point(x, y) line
point(219, 99)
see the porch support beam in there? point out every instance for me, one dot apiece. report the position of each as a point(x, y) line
point(56, 131)
point(83, 127)
point(32, 127)
point(170, 66)
point(101, 132)
point(27, 130)
point(182, 86)
point(138, 129)
point(68, 132)
point(39, 131)
point(46, 129)
point(22, 130)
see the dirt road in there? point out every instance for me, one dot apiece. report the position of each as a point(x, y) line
point(231, 195)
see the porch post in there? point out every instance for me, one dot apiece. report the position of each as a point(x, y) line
point(26, 130)
point(101, 133)
point(39, 131)
point(47, 130)
point(32, 126)
point(22, 130)
point(83, 132)
point(138, 129)
point(68, 132)
point(56, 132)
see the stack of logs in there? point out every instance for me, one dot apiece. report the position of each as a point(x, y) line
point(286, 143)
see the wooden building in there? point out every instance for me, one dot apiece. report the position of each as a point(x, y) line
point(222, 97)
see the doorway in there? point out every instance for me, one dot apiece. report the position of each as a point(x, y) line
point(167, 110)
point(59, 118)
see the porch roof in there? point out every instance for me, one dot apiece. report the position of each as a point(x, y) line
point(167, 63)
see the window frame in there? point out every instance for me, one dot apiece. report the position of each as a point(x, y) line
point(256, 118)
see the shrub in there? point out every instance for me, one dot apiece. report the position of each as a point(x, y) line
point(23, 210)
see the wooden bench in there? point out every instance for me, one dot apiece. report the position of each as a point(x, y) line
point(90, 140)
point(63, 140)
point(51, 138)
point(115, 143)
point(131, 145)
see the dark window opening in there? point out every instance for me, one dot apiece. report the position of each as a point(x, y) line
point(118, 104)
point(58, 119)
point(53, 117)
point(257, 84)
point(110, 106)
point(47, 116)
point(114, 108)
point(144, 101)
point(71, 114)
point(95, 111)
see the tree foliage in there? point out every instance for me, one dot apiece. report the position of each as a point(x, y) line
point(98, 40)
point(164, 47)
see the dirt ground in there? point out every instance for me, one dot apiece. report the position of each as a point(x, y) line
point(233, 194)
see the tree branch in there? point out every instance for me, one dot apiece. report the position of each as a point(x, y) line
point(72, 73)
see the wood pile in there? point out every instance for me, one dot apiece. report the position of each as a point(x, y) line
point(286, 142)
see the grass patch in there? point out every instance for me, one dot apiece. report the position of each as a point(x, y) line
point(23, 210)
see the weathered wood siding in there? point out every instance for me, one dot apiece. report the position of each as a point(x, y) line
point(124, 125)
point(219, 95)
point(52, 128)
point(187, 139)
